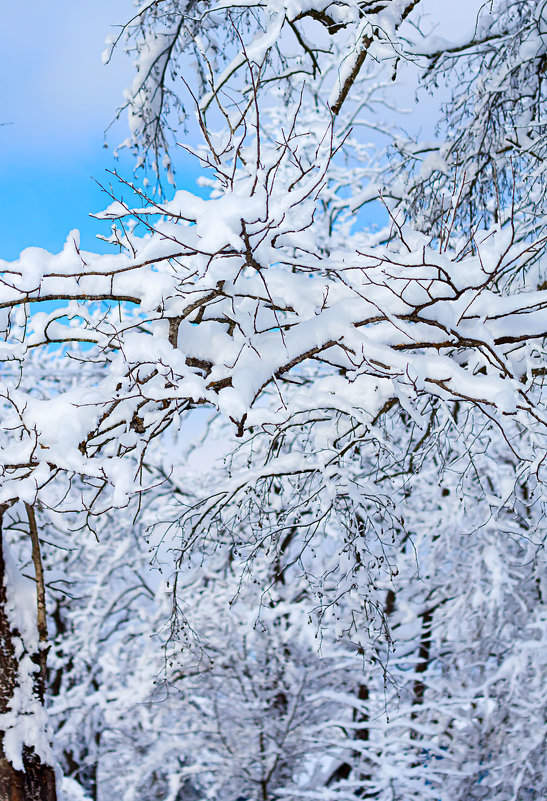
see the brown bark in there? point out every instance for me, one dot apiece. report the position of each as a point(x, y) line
point(40, 602)
point(36, 782)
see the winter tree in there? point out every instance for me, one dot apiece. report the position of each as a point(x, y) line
point(352, 595)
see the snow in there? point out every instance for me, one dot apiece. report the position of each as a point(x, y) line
point(347, 536)
point(25, 723)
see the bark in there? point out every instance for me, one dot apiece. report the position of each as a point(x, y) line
point(36, 782)
point(40, 602)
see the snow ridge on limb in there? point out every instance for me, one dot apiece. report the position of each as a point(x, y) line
point(217, 314)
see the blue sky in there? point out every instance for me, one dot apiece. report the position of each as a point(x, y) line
point(57, 99)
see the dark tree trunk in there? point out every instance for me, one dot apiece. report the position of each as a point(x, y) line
point(36, 782)
point(362, 734)
point(423, 657)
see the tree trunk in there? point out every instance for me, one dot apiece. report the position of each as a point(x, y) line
point(423, 658)
point(36, 781)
